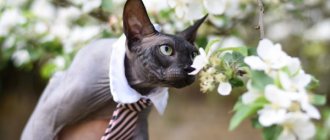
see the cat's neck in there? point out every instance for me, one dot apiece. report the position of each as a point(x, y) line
point(137, 78)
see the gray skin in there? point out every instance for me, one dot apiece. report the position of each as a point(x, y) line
point(82, 94)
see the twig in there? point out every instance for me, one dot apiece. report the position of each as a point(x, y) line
point(261, 19)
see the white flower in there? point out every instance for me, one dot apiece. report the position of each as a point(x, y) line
point(9, 19)
point(278, 97)
point(43, 9)
point(155, 5)
point(251, 95)
point(200, 61)
point(224, 88)
point(270, 57)
point(59, 61)
point(82, 34)
point(269, 116)
point(297, 126)
point(78, 36)
point(89, 5)
point(60, 31)
point(295, 83)
point(294, 66)
point(215, 7)
point(67, 15)
point(21, 57)
point(319, 32)
point(12, 3)
point(233, 8)
point(40, 27)
point(280, 101)
point(187, 9)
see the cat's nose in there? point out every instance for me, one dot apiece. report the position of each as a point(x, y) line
point(188, 69)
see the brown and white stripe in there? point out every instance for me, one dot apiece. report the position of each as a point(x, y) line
point(123, 121)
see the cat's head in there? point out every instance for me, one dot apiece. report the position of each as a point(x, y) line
point(158, 59)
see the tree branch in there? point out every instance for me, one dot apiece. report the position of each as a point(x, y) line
point(261, 19)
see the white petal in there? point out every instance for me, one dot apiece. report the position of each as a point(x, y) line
point(180, 11)
point(311, 111)
point(199, 62)
point(172, 3)
point(194, 10)
point(232, 42)
point(202, 52)
point(287, 135)
point(277, 96)
point(265, 48)
point(294, 66)
point(304, 129)
point(269, 116)
point(255, 63)
point(302, 79)
point(285, 81)
point(216, 7)
point(250, 97)
point(224, 88)
point(91, 5)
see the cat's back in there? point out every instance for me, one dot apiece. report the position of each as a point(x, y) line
point(79, 93)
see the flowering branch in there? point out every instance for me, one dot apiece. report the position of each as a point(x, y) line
point(260, 26)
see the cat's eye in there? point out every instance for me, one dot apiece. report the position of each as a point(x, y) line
point(166, 50)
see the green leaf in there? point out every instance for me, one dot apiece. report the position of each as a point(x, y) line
point(243, 111)
point(319, 100)
point(260, 79)
point(314, 84)
point(47, 70)
point(234, 58)
point(272, 132)
point(255, 123)
point(252, 51)
point(107, 5)
point(236, 82)
point(242, 50)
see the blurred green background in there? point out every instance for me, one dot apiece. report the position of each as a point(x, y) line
point(40, 37)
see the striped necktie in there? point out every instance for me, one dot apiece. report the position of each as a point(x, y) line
point(123, 121)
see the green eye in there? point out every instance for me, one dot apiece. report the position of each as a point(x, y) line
point(166, 50)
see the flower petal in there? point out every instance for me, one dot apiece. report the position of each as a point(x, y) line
point(194, 10)
point(294, 66)
point(199, 62)
point(304, 129)
point(311, 111)
point(216, 7)
point(255, 63)
point(277, 96)
point(286, 135)
point(224, 88)
point(265, 48)
point(269, 116)
point(302, 80)
point(285, 81)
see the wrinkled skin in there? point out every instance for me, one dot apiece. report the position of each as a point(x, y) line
point(77, 103)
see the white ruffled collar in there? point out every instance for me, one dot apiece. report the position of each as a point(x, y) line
point(120, 89)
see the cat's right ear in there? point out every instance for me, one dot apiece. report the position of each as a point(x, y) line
point(136, 21)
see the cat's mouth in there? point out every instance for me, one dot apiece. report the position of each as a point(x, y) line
point(178, 79)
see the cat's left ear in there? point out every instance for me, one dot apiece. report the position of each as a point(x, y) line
point(190, 33)
point(136, 21)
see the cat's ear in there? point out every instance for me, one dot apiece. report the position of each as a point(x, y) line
point(190, 33)
point(136, 21)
